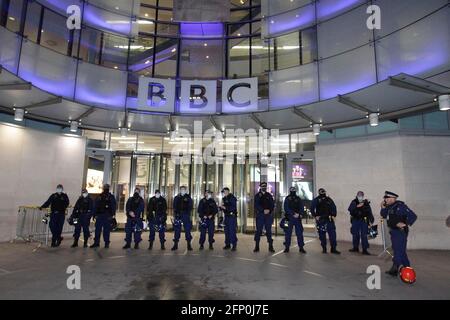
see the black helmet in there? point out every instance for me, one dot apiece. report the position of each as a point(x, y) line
point(373, 232)
point(113, 224)
point(284, 223)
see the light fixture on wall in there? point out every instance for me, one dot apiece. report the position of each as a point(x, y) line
point(123, 132)
point(18, 114)
point(444, 102)
point(73, 126)
point(373, 119)
point(316, 129)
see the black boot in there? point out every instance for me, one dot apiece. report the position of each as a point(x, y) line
point(227, 247)
point(393, 271)
point(324, 249)
point(271, 249)
point(175, 246)
point(256, 247)
point(163, 247)
point(333, 250)
point(366, 253)
point(53, 245)
point(107, 245)
point(286, 250)
point(126, 246)
point(94, 245)
point(75, 243)
point(85, 244)
point(201, 247)
point(150, 246)
point(189, 247)
point(233, 248)
point(301, 250)
point(136, 246)
point(58, 242)
point(211, 246)
point(354, 250)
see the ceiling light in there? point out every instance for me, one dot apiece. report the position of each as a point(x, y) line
point(123, 132)
point(373, 119)
point(18, 114)
point(12, 18)
point(444, 102)
point(316, 129)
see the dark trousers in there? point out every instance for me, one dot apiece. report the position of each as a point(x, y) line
point(84, 222)
point(330, 228)
point(264, 221)
point(359, 232)
point(297, 224)
point(187, 224)
point(130, 230)
point(399, 240)
point(210, 229)
point(230, 230)
point(102, 223)
point(56, 225)
point(162, 231)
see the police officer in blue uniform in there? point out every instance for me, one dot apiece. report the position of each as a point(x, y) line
point(229, 207)
point(324, 211)
point(58, 203)
point(105, 210)
point(207, 210)
point(157, 217)
point(294, 211)
point(182, 206)
point(399, 218)
point(361, 218)
point(264, 206)
point(134, 225)
point(82, 211)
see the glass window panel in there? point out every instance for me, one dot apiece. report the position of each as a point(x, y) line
point(436, 121)
point(115, 51)
point(146, 26)
point(165, 3)
point(166, 57)
point(386, 126)
point(309, 45)
point(287, 51)
point(238, 29)
point(239, 15)
point(149, 2)
point(165, 15)
point(147, 13)
point(90, 45)
point(32, 21)
point(256, 27)
point(14, 15)
point(150, 143)
point(240, 3)
point(415, 122)
point(351, 132)
point(260, 56)
point(202, 59)
point(54, 33)
point(238, 58)
point(119, 143)
point(167, 29)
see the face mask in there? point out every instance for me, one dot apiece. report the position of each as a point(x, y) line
point(157, 195)
point(293, 193)
point(263, 189)
point(105, 190)
point(208, 196)
point(360, 199)
point(182, 192)
point(85, 195)
point(136, 193)
point(59, 190)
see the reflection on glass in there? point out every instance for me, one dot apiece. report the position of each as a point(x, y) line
point(238, 58)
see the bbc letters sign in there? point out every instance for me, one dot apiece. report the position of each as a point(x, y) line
point(198, 97)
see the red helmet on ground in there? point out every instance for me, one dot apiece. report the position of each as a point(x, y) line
point(408, 275)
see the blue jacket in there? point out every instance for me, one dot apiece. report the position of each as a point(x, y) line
point(230, 204)
point(182, 204)
point(364, 212)
point(398, 212)
point(207, 207)
point(323, 207)
point(135, 204)
point(293, 204)
point(264, 201)
point(84, 206)
point(105, 204)
point(57, 202)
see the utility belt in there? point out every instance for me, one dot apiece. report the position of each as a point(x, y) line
point(58, 212)
point(359, 218)
point(326, 219)
point(230, 214)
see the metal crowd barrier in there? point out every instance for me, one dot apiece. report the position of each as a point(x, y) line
point(386, 239)
point(31, 226)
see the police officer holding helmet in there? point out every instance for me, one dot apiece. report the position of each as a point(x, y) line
point(264, 205)
point(324, 210)
point(207, 210)
point(105, 211)
point(157, 216)
point(399, 218)
point(82, 211)
point(229, 207)
point(182, 206)
point(361, 217)
point(58, 203)
point(294, 210)
point(134, 225)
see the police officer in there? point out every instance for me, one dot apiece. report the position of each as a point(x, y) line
point(361, 217)
point(229, 207)
point(324, 210)
point(157, 216)
point(58, 203)
point(207, 210)
point(105, 211)
point(82, 211)
point(294, 211)
point(182, 206)
point(264, 205)
point(134, 225)
point(399, 217)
